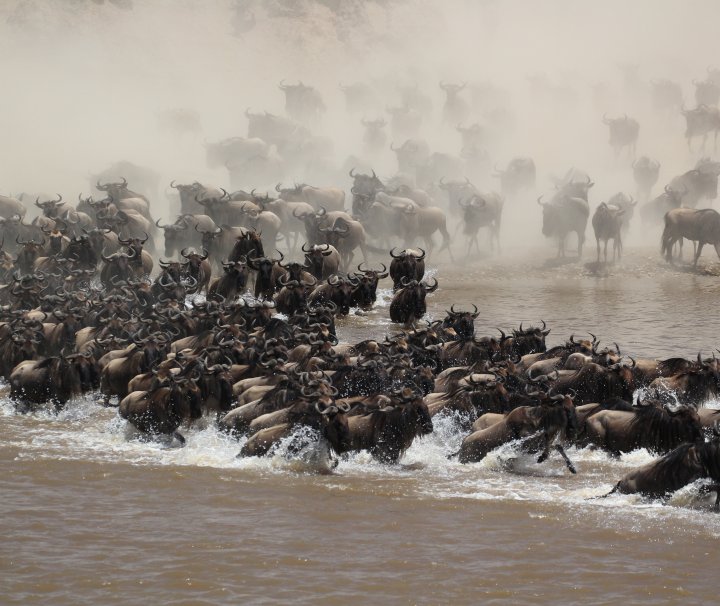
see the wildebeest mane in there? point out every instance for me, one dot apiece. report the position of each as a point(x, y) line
point(657, 428)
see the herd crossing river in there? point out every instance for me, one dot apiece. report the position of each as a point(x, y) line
point(221, 528)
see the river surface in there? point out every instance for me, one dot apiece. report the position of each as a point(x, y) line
point(93, 515)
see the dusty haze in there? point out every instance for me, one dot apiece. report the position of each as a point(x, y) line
point(84, 81)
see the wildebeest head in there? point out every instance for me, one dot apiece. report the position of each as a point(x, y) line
point(365, 292)
point(315, 258)
point(327, 417)
point(411, 155)
point(116, 190)
point(364, 188)
point(50, 208)
point(408, 263)
point(247, 245)
point(462, 322)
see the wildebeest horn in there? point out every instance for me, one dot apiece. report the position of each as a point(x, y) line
point(352, 176)
point(421, 257)
point(393, 255)
point(432, 288)
point(539, 201)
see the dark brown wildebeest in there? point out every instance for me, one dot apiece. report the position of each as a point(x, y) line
point(408, 263)
point(684, 465)
point(365, 292)
point(462, 322)
point(55, 379)
point(408, 304)
point(198, 267)
point(537, 426)
point(389, 431)
point(607, 224)
point(233, 281)
point(336, 290)
point(321, 260)
point(163, 410)
point(326, 418)
point(650, 426)
point(693, 386)
point(595, 383)
point(524, 341)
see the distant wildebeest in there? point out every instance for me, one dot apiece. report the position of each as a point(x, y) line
point(456, 109)
point(623, 133)
point(519, 174)
point(700, 122)
point(701, 226)
point(607, 223)
point(563, 215)
point(654, 210)
point(646, 173)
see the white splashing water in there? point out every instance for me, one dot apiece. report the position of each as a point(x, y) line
point(86, 431)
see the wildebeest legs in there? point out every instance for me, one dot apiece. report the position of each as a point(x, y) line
point(568, 462)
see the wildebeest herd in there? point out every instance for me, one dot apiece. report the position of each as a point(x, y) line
point(223, 326)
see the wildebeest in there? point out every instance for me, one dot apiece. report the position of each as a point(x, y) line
point(654, 210)
point(179, 121)
point(650, 426)
point(519, 174)
point(623, 133)
point(359, 97)
point(388, 432)
point(374, 137)
point(303, 103)
point(699, 183)
point(408, 264)
point(327, 419)
point(537, 426)
point(563, 215)
point(625, 203)
point(234, 150)
point(482, 211)
point(411, 155)
point(607, 223)
point(701, 226)
point(666, 95)
point(595, 383)
point(321, 260)
point(707, 92)
point(408, 304)
point(163, 410)
point(646, 173)
point(684, 465)
point(53, 379)
point(701, 121)
point(405, 121)
point(455, 109)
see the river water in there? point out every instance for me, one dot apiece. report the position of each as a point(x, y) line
point(93, 515)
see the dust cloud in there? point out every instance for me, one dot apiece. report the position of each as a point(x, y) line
point(87, 83)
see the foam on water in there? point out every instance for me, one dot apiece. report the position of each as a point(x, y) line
point(86, 431)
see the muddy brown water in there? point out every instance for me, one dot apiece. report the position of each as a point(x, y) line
point(93, 515)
